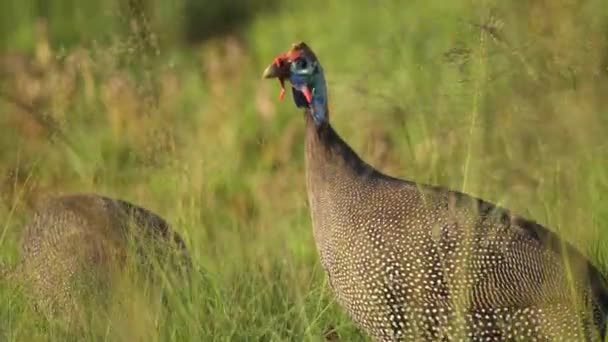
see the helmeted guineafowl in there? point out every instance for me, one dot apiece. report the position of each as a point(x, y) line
point(418, 262)
point(78, 243)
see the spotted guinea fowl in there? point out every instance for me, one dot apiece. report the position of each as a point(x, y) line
point(75, 245)
point(418, 262)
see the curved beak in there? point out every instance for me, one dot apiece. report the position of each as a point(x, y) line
point(272, 71)
point(279, 69)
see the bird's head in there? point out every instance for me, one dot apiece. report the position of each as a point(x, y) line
point(302, 69)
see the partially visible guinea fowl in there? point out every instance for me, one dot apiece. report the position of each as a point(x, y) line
point(75, 246)
point(418, 262)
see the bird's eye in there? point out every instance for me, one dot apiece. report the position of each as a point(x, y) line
point(301, 63)
point(302, 66)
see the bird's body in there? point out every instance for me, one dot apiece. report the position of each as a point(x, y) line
point(416, 262)
point(75, 244)
point(426, 263)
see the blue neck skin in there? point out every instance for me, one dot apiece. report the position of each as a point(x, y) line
point(318, 88)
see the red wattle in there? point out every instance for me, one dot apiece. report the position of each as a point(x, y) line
point(282, 93)
point(307, 94)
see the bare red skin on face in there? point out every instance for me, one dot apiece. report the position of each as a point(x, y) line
point(277, 61)
point(282, 62)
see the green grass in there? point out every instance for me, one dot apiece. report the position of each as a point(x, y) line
point(505, 101)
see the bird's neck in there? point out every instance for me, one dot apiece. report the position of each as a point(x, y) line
point(329, 160)
point(335, 180)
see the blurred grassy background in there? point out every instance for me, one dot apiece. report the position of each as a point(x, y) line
point(161, 103)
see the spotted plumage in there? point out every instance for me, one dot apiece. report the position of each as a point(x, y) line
point(416, 262)
point(75, 244)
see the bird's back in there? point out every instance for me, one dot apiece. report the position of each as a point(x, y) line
point(76, 243)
